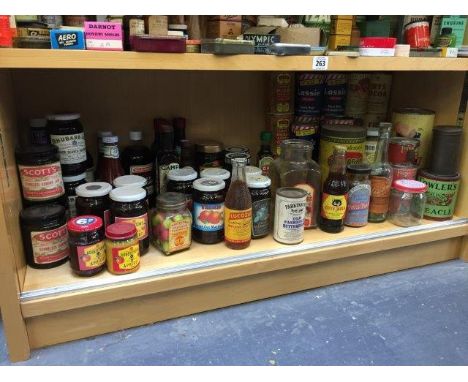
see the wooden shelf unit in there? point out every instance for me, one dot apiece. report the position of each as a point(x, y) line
point(221, 97)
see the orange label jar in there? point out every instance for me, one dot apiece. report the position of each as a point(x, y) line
point(122, 249)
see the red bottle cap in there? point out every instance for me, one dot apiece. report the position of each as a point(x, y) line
point(409, 185)
point(119, 231)
point(84, 223)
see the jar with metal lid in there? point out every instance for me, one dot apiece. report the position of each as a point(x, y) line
point(71, 183)
point(122, 248)
point(407, 202)
point(93, 199)
point(87, 245)
point(252, 171)
point(259, 187)
point(172, 223)
point(66, 132)
point(235, 155)
point(208, 154)
point(40, 174)
point(129, 205)
point(218, 173)
point(358, 195)
point(181, 180)
point(45, 236)
point(208, 210)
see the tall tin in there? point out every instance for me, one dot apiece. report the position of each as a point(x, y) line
point(380, 85)
point(280, 92)
point(357, 96)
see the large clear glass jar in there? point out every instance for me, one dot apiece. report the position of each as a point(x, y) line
point(296, 168)
point(407, 201)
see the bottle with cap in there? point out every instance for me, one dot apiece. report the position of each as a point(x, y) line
point(110, 165)
point(100, 135)
point(265, 155)
point(137, 159)
point(167, 159)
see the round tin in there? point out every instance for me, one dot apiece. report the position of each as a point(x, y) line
point(404, 171)
point(403, 150)
point(417, 34)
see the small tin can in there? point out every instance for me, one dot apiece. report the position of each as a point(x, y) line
point(290, 209)
point(280, 92)
point(404, 171)
point(403, 150)
point(279, 124)
point(334, 94)
point(307, 128)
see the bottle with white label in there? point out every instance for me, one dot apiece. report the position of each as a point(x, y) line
point(110, 166)
point(66, 132)
point(167, 157)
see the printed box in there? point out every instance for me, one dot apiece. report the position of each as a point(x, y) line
point(67, 39)
point(103, 35)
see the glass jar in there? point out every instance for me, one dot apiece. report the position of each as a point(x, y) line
point(181, 180)
point(172, 223)
point(122, 248)
point(208, 210)
point(45, 236)
point(93, 199)
point(218, 173)
point(129, 205)
point(296, 168)
point(259, 187)
point(407, 201)
point(66, 132)
point(87, 246)
point(359, 195)
point(208, 154)
point(71, 183)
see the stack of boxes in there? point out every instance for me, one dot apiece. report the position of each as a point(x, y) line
point(340, 31)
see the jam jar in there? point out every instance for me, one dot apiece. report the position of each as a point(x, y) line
point(122, 248)
point(129, 205)
point(45, 236)
point(208, 154)
point(208, 210)
point(218, 173)
point(172, 223)
point(93, 199)
point(66, 132)
point(259, 187)
point(131, 180)
point(40, 174)
point(181, 180)
point(71, 183)
point(87, 246)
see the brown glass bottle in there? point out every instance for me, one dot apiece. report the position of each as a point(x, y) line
point(238, 209)
point(110, 166)
point(335, 194)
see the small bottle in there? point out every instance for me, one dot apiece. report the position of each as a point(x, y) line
point(265, 155)
point(381, 177)
point(238, 209)
point(167, 157)
point(137, 159)
point(100, 134)
point(179, 133)
point(335, 194)
point(110, 166)
point(447, 39)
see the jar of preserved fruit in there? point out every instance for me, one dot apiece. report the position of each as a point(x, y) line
point(122, 248)
point(407, 202)
point(71, 183)
point(208, 154)
point(45, 237)
point(208, 210)
point(87, 246)
point(93, 199)
point(181, 180)
point(129, 205)
point(172, 223)
point(40, 174)
point(259, 187)
point(66, 132)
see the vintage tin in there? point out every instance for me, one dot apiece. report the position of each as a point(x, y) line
point(307, 128)
point(442, 192)
point(309, 93)
point(279, 125)
point(290, 209)
point(403, 150)
point(352, 137)
point(416, 124)
point(334, 94)
point(404, 171)
point(280, 92)
point(417, 34)
point(446, 150)
point(380, 85)
point(357, 96)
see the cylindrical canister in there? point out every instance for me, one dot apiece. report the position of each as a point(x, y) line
point(417, 124)
point(380, 85)
point(290, 209)
point(357, 95)
point(441, 195)
point(417, 34)
point(280, 92)
point(279, 125)
point(334, 94)
point(307, 128)
point(404, 171)
point(403, 150)
point(446, 150)
point(309, 93)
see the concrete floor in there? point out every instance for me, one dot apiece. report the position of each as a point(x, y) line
point(413, 317)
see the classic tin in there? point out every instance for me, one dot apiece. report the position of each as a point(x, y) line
point(416, 124)
point(357, 95)
point(309, 93)
point(404, 171)
point(290, 209)
point(417, 34)
point(279, 124)
point(307, 128)
point(403, 150)
point(280, 92)
point(334, 94)
point(379, 94)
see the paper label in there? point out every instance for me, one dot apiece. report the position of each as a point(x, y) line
point(319, 63)
point(237, 225)
point(264, 164)
point(91, 256)
point(334, 206)
point(261, 217)
point(125, 259)
point(41, 182)
point(358, 205)
point(72, 206)
point(50, 246)
point(380, 194)
point(111, 152)
point(441, 197)
point(146, 171)
point(309, 219)
point(208, 217)
point(140, 222)
point(370, 151)
point(179, 235)
point(162, 175)
point(289, 220)
point(72, 147)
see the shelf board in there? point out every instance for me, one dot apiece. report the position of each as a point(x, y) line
point(57, 289)
point(82, 59)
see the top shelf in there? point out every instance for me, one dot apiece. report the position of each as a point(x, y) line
point(82, 59)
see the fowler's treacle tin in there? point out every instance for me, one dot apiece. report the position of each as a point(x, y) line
point(290, 209)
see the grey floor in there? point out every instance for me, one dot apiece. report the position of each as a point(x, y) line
point(413, 317)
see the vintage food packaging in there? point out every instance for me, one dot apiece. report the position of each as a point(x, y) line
point(67, 39)
point(103, 35)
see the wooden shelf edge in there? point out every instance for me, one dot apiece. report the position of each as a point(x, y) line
point(51, 300)
point(79, 59)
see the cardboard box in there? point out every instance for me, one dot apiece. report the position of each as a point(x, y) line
point(103, 35)
point(340, 26)
point(342, 17)
point(302, 35)
point(157, 25)
point(225, 18)
point(263, 37)
point(67, 39)
point(458, 25)
point(224, 29)
point(336, 40)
